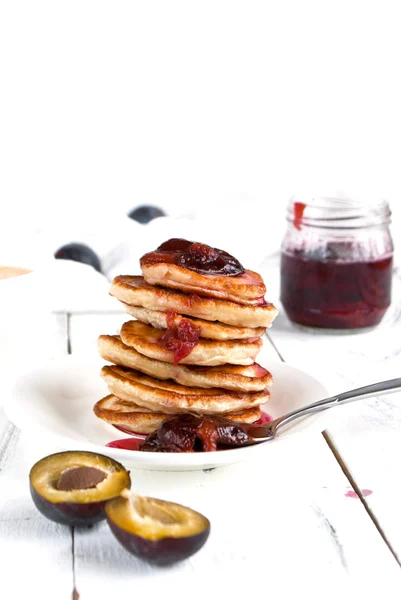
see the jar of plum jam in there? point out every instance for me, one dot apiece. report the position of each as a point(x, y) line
point(336, 263)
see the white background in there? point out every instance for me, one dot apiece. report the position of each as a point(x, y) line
point(204, 108)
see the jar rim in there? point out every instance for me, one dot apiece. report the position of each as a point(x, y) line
point(333, 212)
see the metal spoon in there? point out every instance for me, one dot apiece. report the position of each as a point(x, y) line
point(267, 432)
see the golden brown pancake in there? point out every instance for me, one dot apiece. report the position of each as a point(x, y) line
point(135, 291)
point(171, 398)
point(247, 288)
point(144, 339)
point(238, 378)
point(212, 330)
point(137, 419)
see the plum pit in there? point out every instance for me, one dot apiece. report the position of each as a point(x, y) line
point(80, 478)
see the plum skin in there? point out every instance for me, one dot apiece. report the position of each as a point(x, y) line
point(146, 213)
point(74, 514)
point(162, 552)
point(79, 253)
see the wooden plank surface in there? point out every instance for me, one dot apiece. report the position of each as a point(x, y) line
point(366, 434)
point(35, 554)
point(268, 518)
point(282, 523)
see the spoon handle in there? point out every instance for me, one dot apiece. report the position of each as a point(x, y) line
point(367, 391)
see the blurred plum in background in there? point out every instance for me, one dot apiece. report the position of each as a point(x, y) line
point(79, 253)
point(146, 213)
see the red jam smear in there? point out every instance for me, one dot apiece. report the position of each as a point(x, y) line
point(126, 444)
point(265, 418)
point(335, 294)
point(195, 256)
point(352, 494)
point(180, 339)
point(259, 371)
point(131, 443)
point(299, 208)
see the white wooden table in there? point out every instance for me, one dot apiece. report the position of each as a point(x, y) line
point(320, 521)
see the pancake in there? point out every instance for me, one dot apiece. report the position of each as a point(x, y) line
point(137, 419)
point(250, 378)
point(171, 398)
point(196, 267)
point(247, 288)
point(144, 339)
point(135, 291)
point(208, 329)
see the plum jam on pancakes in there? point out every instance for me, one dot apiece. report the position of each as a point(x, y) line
point(199, 268)
point(179, 338)
point(213, 330)
point(208, 353)
point(191, 433)
point(194, 256)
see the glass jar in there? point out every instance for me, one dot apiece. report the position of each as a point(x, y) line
point(336, 263)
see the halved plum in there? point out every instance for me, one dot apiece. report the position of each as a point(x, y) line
point(154, 530)
point(72, 488)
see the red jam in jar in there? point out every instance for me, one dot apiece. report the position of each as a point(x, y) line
point(336, 264)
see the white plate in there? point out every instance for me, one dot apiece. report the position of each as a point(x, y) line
point(56, 401)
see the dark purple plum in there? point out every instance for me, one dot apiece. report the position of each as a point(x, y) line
point(72, 488)
point(79, 253)
point(154, 530)
point(146, 213)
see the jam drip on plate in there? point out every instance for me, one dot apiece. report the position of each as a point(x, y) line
point(190, 433)
point(259, 371)
point(197, 257)
point(132, 443)
point(180, 339)
point(265, 418)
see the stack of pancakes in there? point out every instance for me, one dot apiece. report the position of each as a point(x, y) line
point(190, 347)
